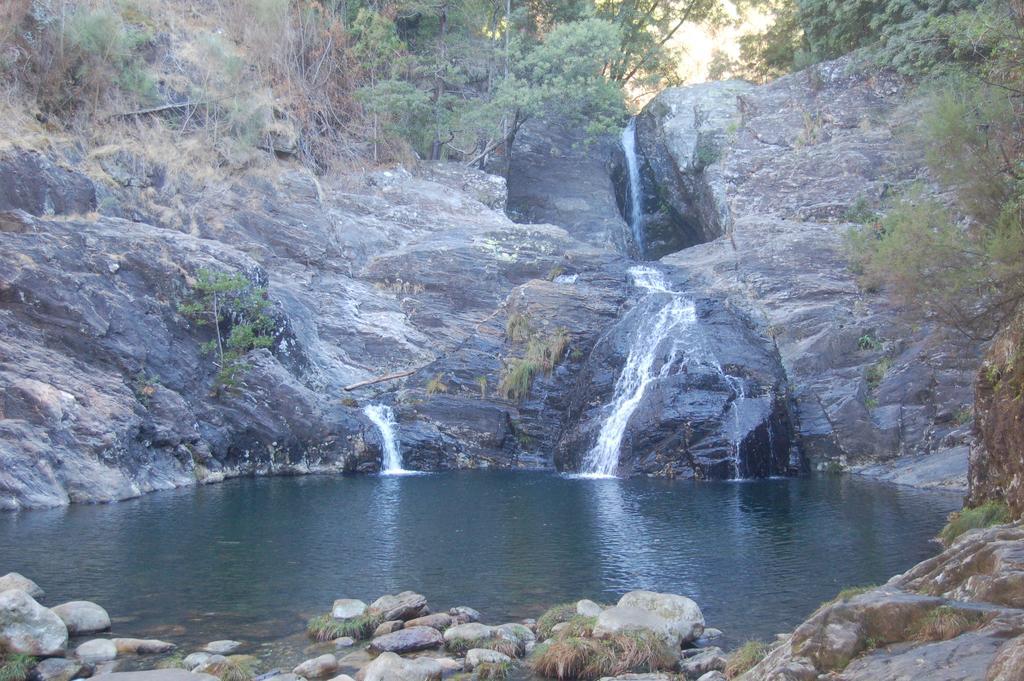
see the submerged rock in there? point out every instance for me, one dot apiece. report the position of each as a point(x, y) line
point(14, 580)
point(408, 640)
point(29, 628)
point(223, 647)
point(82, 617)
point(391, 667)
point(96, 650)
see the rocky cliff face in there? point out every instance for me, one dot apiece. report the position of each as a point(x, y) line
point(776, 176)
point(997, 462)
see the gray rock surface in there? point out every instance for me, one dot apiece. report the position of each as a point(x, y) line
point(623, 620)
point(96, 650)
point(222, 647)
point(82, 617)
point(346, 608)
point(391, 667)
point(682, 614)
point(15, 580)
point(407, 640)
point(404, 606)
point(478, 656)
point(155, 675)
point(59, 669)
point(319, 667)
point(29, 628)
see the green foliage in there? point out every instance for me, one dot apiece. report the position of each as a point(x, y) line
point(326, 628)
point(493, 671)
point(563, 612)
point(175, 660)
point(877, 372)
point(849, 592)
point(745, 657)
point(542, 355)
point(481, 382)
point(517, 328)
point(517, 379)
point(986, 515)
point(944, 623)
point(574, 657)
point(236, 310)
point(231, 669)
point(436, 385)
point(869, 342)
point(15, 666)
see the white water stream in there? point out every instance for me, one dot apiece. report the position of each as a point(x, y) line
point(636, 213)
point(383, 417)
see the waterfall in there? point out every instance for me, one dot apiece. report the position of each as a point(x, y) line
point(671, 322)
point(383, 417)
point(635, 193)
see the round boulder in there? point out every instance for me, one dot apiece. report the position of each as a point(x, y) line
point(96, 650)
point(29, 628)
point(82, 617)
point(471, 631)
point(222, 647)
point(317, 668)
point(347, 608)
point(465, 614)
point(60, 669)
point(142, 646)
point(479, 656)
point(588, 608)
point(407, 640)
point(16, 580)
point(403, 606)
point(388, 627)
point(683, 616)
point(622, 620)
point(391, 667)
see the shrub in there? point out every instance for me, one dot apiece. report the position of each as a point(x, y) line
point(563, 612)
point(944, 622)
point(745, 657)
point(327, 628)
point(15, 667)
point(877, 371)
point(572, 657)
point(436, 385)
point(517, 380)
point(986, 515)
point(517, 328)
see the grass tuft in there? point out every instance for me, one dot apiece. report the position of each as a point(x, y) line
point(517, 328)
point(231, 670)
point(563, 612)
point(15, 666)
point(573, 657)
point(326, 628)
point(745, 657)
point(436, 385)
point(943, 623)
point(518, 378)
point(986, 515)
point(493, 671)
point(498, 644)
point(849, 592)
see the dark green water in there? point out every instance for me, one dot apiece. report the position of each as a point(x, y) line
point(251, 559)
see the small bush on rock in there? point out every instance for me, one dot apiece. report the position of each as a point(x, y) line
point(576, 657)
point(15, 667)
point(986, 515)
point(745, 657)
point(326, 628)
point(461, 646)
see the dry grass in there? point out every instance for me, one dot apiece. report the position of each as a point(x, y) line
point(745, 657)
point(944, 622)
point(563, 612)
point(499, 644)
point(326, 628)
point(574, 657)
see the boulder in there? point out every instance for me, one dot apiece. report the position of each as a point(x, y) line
point(142, 646)
point(15, 580)
point(347, 608)
point(59, 669)
point(708, 660)
point(683, 616)
point(388, 627)
point(479, 656)
point(471, 631)
point(155, 675)
point(317, 668)
point(196, 659)
point(466, 614)
point(621, 620)
point(96, 650)
point(210, 664)
point(29, 628)
point(391, 667)
point(521, 634)
point(588, 608)
point(223, 647)
point(404, 606)
point(439, 621)
point(1009, 663)
point(82, 617)
point(344, 642)
point(407, 640)
point(450, 665)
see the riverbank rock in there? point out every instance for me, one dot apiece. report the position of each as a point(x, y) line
point(471, 631)
point(155, 675)
point(317, 668)
point(14, 580)
point(388, 627)
point(142, 646)
point(29, 628)
point(682, 615)
point(60, 669)
point(82, 617)
point(347, 608)
point(223, 647)
point(478, 656)
point(96, 650)
point(439, 621)
point(196, 659)
point(465, 614)
point(707, 660)
point(391, 667)
point(588, 608)
point(404, 606)
point(623, 620)
point(407, 640)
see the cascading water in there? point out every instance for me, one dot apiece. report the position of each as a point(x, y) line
point(383, 417)
point(669, 325)
point(635, 194)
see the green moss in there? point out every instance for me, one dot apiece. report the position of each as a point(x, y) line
point(745, 657)
point(986, 515)
point(15, 666)
point(327, 628)
point(563, 612)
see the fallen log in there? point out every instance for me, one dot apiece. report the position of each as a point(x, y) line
point(379, 379)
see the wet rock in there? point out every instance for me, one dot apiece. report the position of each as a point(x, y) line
point(404, 606)
point(347, 608)
point(60, 669)
point(588, 608)
point(407, 640)
point(96, 650)
point(388, 627)
point(29, 628)
point(391, 667)
point(14, 580)
point(223, 647)
point(478, 656)
point(682, 615)
point(82, 617)
point(467, 614)
point(142, 646)
point(344, 642)
point(708, 660)
point(318, 667)
point(439, 621)
point(193, 660)
point(155, 675)
point(471, 631)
